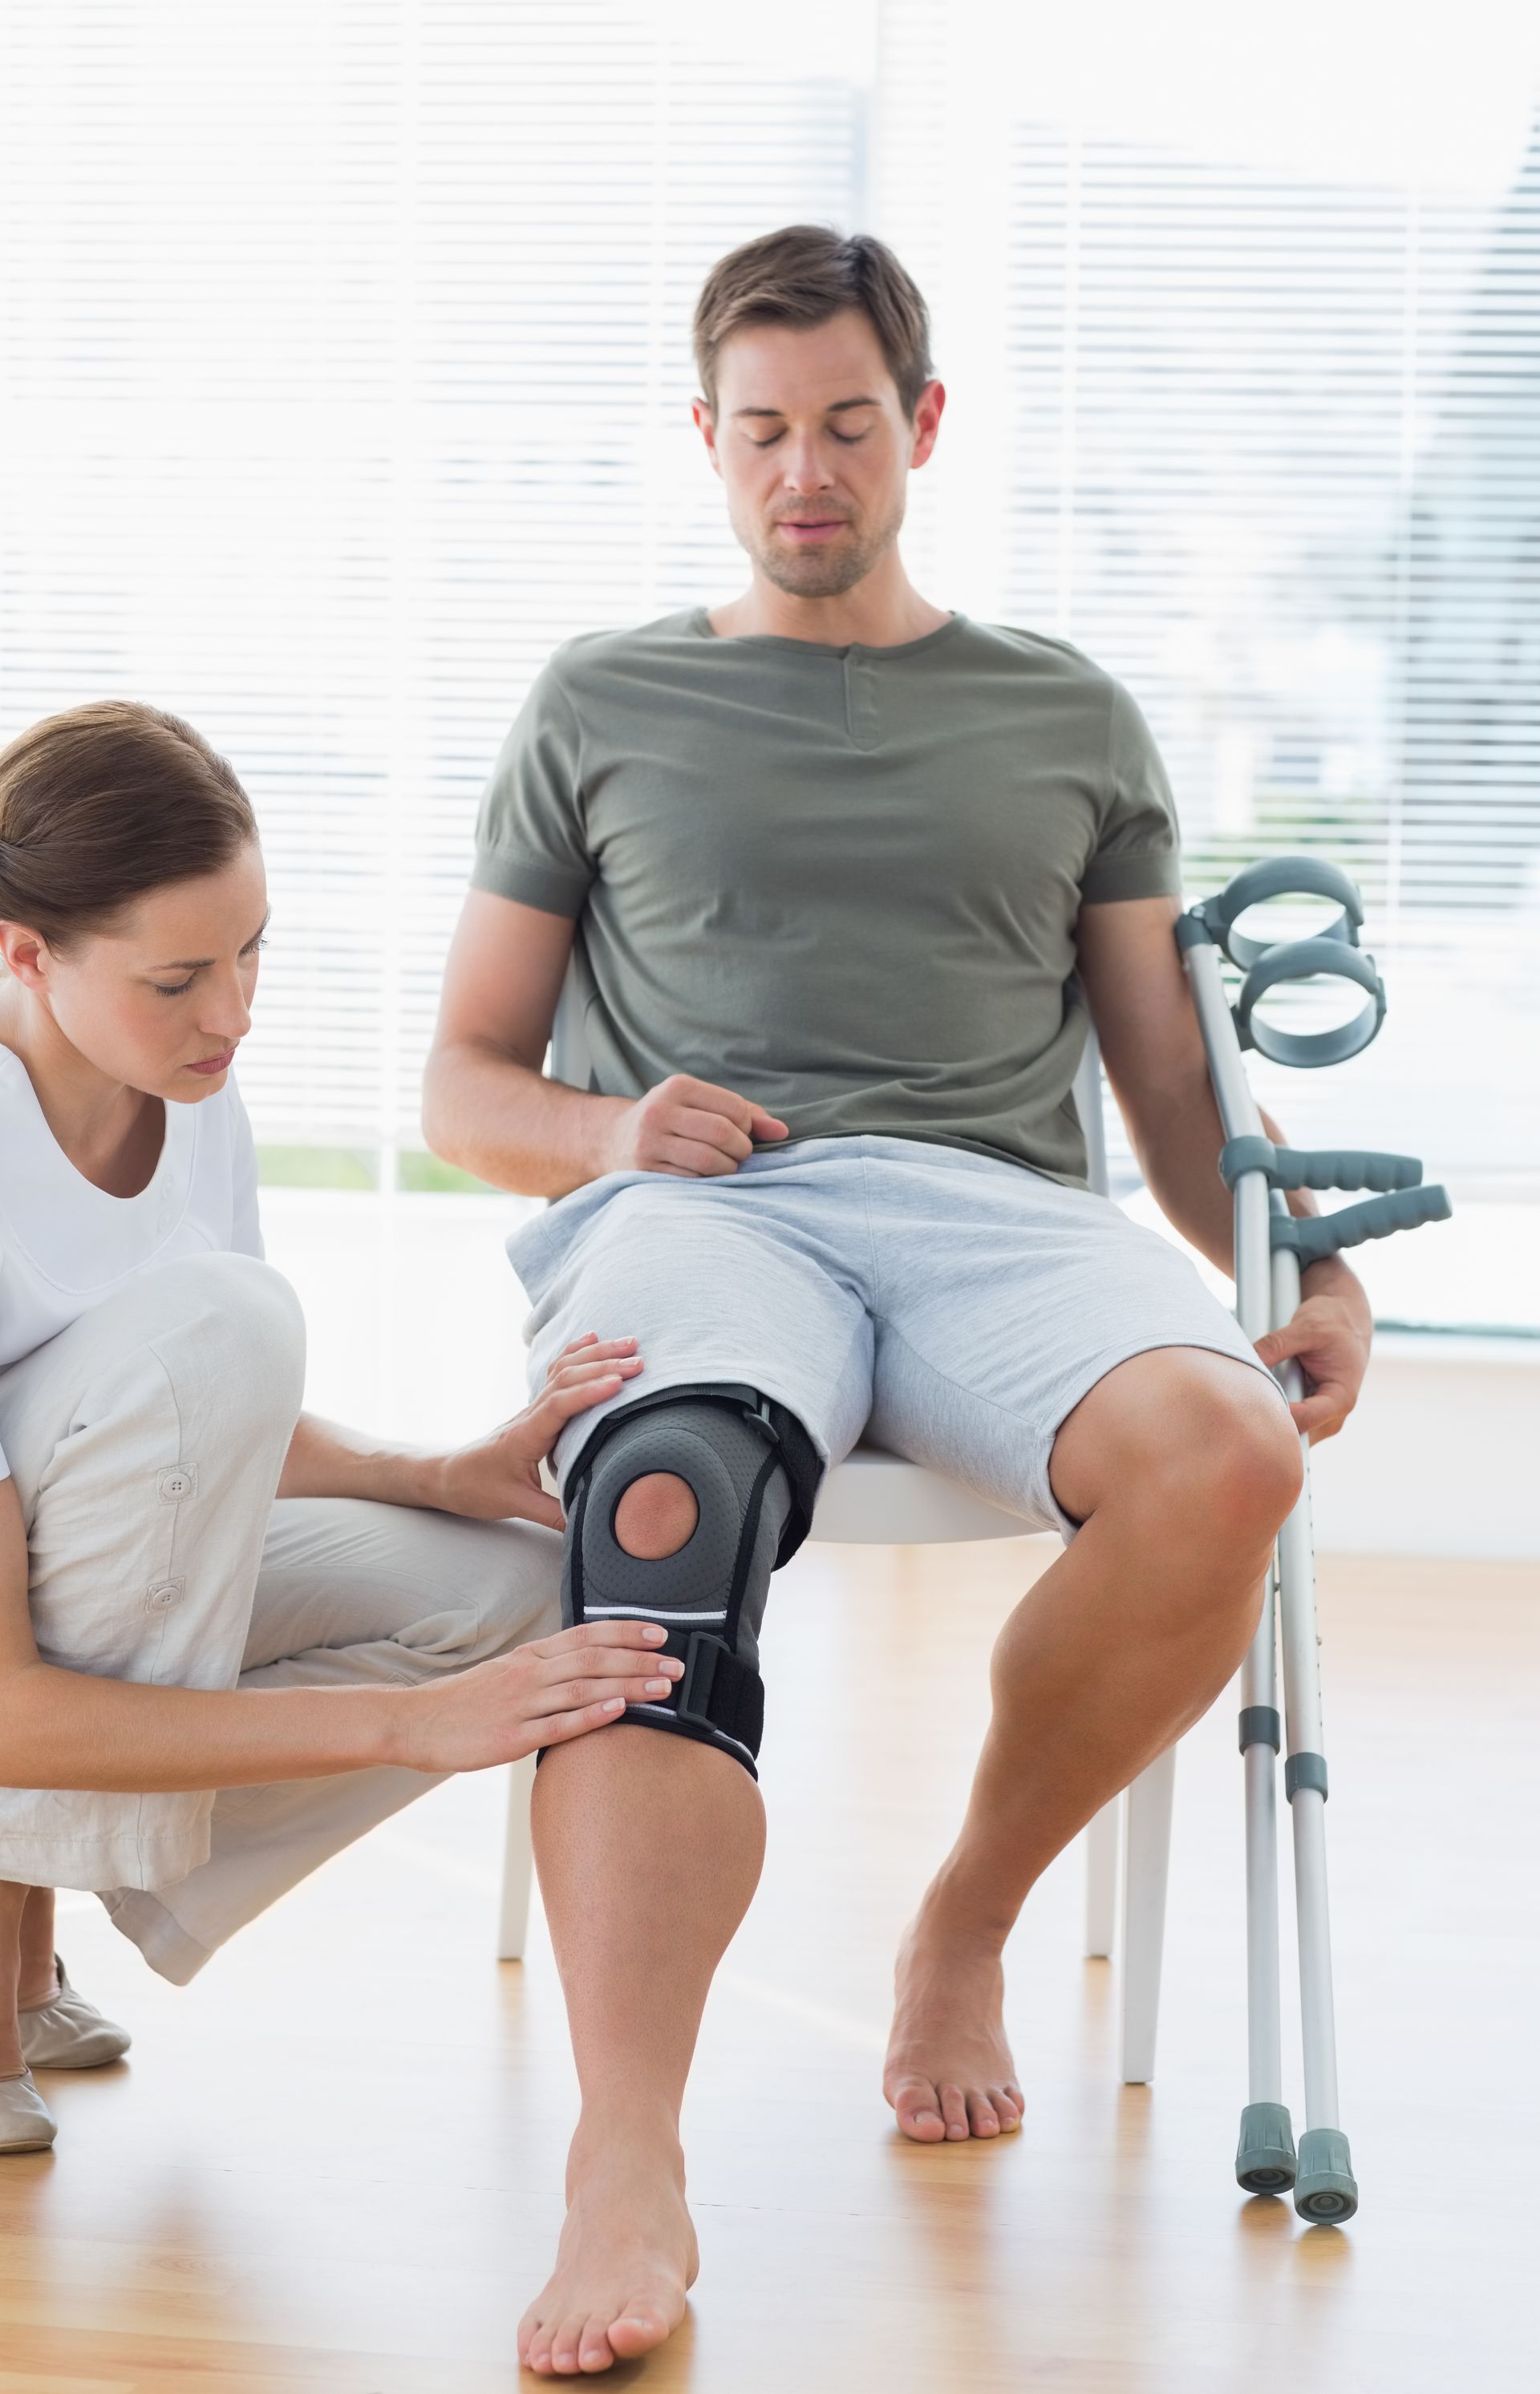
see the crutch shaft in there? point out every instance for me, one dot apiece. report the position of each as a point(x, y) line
point(1253, 1293)
point(1306, 1770)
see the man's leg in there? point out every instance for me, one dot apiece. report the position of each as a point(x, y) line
point(649, 1843)
point(649, 1849)
point(1182, 1464)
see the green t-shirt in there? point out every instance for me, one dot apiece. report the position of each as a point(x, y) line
point(843, 882)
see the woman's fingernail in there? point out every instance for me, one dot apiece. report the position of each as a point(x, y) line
point(614, 1703)
point(658, 1687)
point(653, 1632)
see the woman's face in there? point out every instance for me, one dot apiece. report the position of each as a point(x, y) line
point(162, 1001)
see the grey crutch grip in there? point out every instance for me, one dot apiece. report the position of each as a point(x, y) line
point(1316, 1167)
point(1280, 877)
point(1307, 960)
point(1314, 1236)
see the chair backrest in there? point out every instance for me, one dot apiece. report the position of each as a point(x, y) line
point(570, 1061)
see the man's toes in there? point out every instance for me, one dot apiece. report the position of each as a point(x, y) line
point(1005, 2112)
point(638, 2330)
point(918, 2111)
point(564, 2345)
point(595, 2350)
point(954, 2112)
point(982, 2117)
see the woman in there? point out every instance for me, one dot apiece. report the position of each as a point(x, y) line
point(166, 1628)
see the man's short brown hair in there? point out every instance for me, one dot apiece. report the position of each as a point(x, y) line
point(803, 275)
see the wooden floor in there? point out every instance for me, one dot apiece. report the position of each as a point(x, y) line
point(335, 2161)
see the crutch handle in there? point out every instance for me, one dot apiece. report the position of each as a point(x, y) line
point(1314, 1236)
point(1317, 1167)
point(1307, 960)
point(1280, 877)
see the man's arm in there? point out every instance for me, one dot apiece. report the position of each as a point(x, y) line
point(1154, 1052)
point(487, 1107)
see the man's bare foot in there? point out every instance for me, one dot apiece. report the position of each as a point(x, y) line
point(949, 2074)
point(626, 2258)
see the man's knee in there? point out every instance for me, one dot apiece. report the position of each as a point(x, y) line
point(656, 1516)
point(679, 1508)
point(1197, 1444)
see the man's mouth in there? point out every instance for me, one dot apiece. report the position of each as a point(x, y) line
point(803, 530)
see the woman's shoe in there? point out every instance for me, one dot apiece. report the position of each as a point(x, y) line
point(70, 2033)
point(26, 2123)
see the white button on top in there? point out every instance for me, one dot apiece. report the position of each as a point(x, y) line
point(175, 1484)
point(162, 1597)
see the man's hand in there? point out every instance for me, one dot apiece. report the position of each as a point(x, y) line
point(1330, 1338)
point(497, 1479)
point(690, 1129)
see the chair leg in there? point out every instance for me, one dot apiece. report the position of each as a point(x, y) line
point(518, 1864)
point(1147, 1857)
point(1103, 1839)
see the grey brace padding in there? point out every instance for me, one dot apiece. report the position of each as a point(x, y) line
point(712, 1589)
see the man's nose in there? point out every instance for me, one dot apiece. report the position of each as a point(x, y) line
point(804, 467)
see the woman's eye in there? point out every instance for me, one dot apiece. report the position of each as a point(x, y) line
point(175, 989)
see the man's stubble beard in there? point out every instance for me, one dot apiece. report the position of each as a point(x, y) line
point(822, 573)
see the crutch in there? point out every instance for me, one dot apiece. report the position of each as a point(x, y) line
point(1272, 1247)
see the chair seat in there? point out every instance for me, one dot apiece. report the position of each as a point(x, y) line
point(876, 1499)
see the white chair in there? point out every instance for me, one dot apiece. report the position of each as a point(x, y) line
point(876, 1499)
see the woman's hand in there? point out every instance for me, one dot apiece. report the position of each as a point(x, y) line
point(498, 1477)
point(555, 1689)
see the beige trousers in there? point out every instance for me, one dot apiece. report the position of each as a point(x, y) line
point(146, 1442)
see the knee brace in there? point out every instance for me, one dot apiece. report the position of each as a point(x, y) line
point(753, 1472)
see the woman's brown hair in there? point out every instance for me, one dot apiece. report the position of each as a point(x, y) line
point(102, 804)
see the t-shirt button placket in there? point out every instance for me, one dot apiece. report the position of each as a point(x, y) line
point(860, 702)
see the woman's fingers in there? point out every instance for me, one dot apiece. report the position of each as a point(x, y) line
point(599, 1647)
point(563, 1726)
point(592, 1349)
point(639, 1682)
point(576, 1375)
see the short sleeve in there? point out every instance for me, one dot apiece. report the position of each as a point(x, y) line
point(246, 1236)
point(1138, 853)
point(530, 838)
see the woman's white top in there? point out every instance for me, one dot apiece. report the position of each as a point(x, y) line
point(65, 1245)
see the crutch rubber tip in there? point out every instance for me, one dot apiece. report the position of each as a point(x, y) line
point(1325, 2189)
point(1264, 2159)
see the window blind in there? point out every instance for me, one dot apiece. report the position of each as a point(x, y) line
point(344, 371)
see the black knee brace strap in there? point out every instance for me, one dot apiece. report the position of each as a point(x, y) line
point(753, 1472)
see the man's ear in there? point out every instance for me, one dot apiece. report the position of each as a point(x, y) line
point(705, 425)
point(928, 421)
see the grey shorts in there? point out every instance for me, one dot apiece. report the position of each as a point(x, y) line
point(952, 1308)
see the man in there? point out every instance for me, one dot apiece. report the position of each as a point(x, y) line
point(840, 867)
